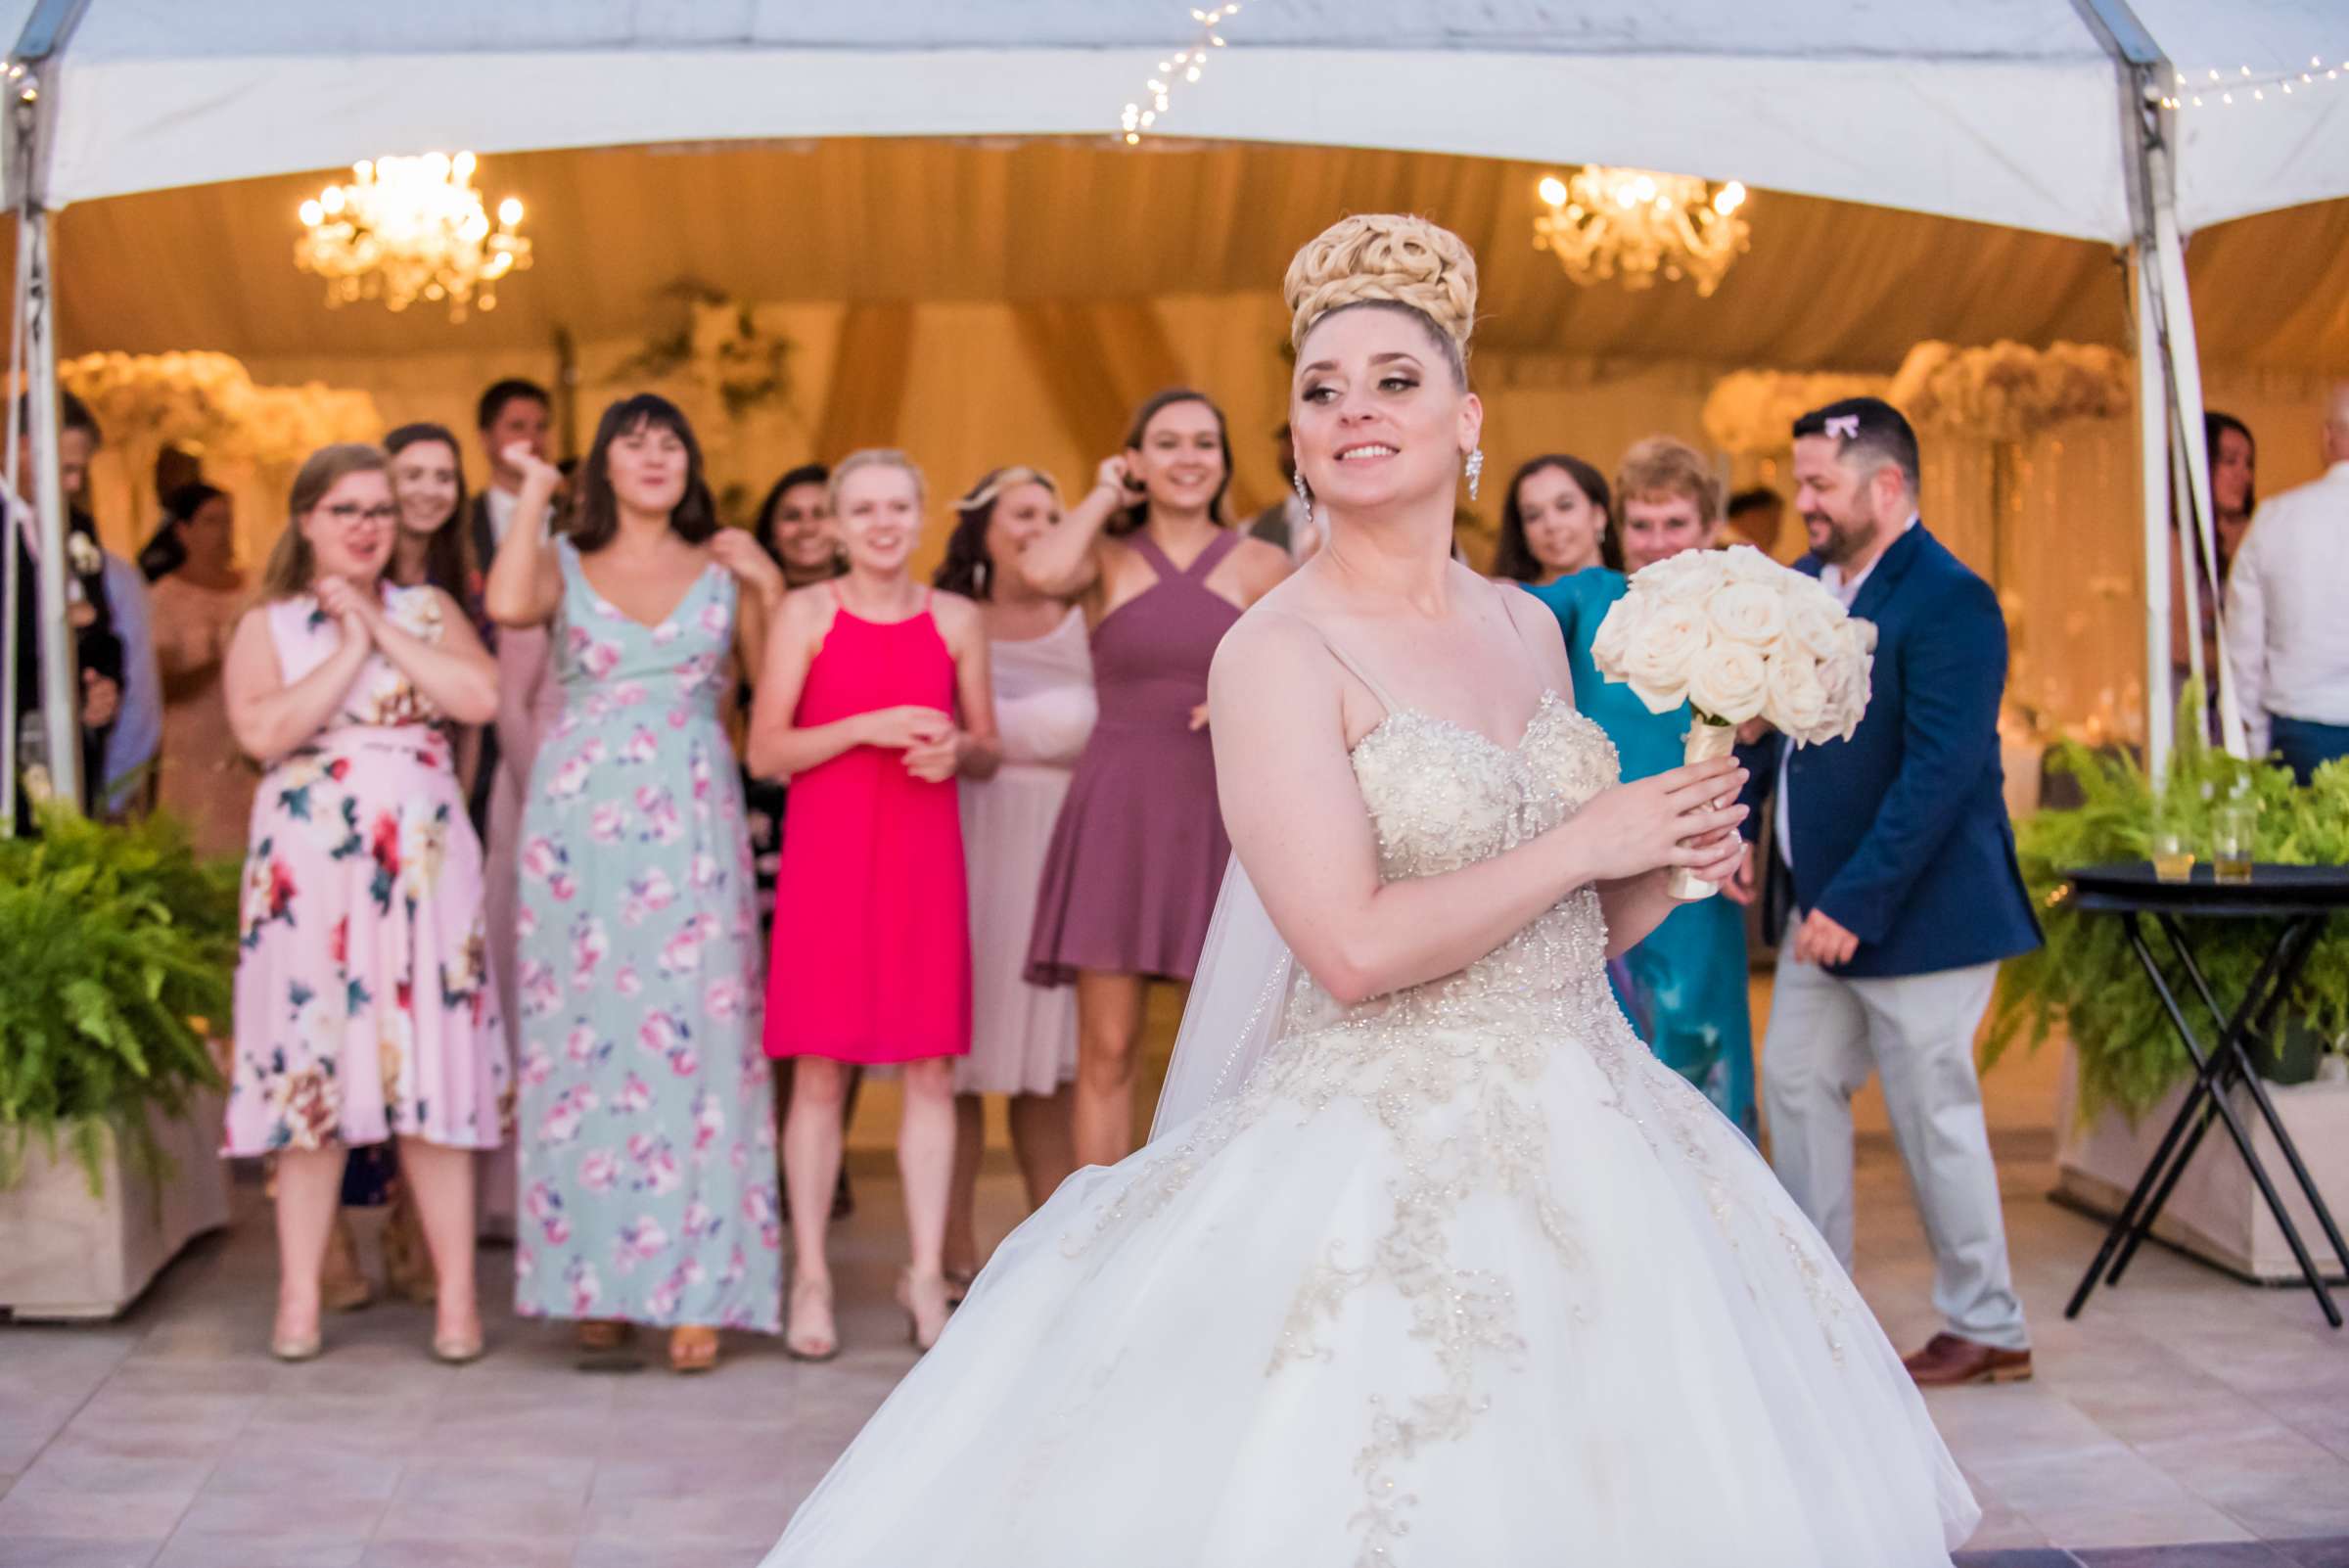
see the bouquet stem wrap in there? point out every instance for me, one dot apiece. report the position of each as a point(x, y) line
point(1706, 741)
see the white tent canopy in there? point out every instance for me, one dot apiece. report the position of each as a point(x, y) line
point(2032, 114)
point(2000, 111)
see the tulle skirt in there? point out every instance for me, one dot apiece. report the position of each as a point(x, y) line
point(1424, 1297)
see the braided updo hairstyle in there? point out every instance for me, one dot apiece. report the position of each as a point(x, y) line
point(1394, 261)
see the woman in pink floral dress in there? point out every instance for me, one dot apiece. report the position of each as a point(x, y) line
point(363, 1010)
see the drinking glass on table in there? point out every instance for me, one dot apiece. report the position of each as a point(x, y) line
point(2173, 852)
point(2233, 825)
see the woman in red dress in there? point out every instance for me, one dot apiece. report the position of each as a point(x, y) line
point(872, 700)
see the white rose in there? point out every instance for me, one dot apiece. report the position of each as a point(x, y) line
point(1797, 701)
point(1748, 613)
point(1859, 635)
point(1845, 680)
point(1814, 621)
point(1728, 682)
point(1618, 632)
point(1671, 646)
point(1688, 578)
point(1745, 564)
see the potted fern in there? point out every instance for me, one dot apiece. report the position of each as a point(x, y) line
point(120, 948)
point(2126, 1071)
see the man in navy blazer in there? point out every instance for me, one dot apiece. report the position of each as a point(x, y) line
point(1893, 889)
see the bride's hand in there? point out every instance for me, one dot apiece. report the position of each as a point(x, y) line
point(1668, 820)
point(1723, 862)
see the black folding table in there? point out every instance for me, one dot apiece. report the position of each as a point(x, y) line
point(2300, 899)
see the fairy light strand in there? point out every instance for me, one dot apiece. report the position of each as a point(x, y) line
point(2213, 88)
point(1179, 70)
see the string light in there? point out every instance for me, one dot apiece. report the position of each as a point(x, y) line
point(1181, 68)
point(2286, 83)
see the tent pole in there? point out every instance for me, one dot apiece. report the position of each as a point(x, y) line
point(2154, 451)
point(2146, 131)
point(12, 611)
point(60, 703)
point(2186, 393)
point(30, 115)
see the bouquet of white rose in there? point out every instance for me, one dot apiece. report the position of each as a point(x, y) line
point(1737, 636)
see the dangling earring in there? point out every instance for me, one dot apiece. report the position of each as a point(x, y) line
point(1476, 470)
point(1304, 497)
point(979, 580)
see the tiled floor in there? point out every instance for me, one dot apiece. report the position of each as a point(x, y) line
point(2181, 1408)
point(2185, 1420)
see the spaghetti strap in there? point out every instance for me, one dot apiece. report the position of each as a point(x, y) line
point(1354, 667)
point(1523, 641)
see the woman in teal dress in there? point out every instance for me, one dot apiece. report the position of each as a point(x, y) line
point(1685, 987)
point(646, 1135)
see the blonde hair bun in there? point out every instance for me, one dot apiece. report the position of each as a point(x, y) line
point(1384, 257)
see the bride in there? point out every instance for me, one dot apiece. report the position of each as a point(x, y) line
point(1429, 1262)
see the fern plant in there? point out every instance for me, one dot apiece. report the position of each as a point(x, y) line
point(117, 947)
point(2087, 979)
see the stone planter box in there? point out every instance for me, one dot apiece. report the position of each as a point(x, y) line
point(64, 1254)
point(2216, 1214)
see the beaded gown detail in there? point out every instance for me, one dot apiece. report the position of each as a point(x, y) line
point(1460, 1274)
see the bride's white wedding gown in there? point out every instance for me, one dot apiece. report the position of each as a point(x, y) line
point(1461, 1279)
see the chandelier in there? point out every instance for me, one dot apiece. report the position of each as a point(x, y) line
point(1635, 223)
point(405, 229)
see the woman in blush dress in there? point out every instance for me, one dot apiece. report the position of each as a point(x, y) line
point(873, 698)
point(1023, 1036)
point(364, 1008)
point(647, 1129)
point(1131, 878)
point(203, 779)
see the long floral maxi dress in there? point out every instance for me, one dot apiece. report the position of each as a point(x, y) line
point(363, 1004)
point(647, 1133)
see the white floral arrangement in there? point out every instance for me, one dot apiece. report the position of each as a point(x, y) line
point(1737, 636)
point(2006, 391)
point(210, 404)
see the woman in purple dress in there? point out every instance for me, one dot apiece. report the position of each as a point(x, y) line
point(1140, 851)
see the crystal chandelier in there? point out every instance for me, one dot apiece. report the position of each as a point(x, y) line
point(406, 229)
point(1636, 223)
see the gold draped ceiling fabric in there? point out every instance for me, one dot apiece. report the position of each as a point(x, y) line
point(982, 302)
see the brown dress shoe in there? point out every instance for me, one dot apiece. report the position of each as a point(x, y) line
point(1947, 1361)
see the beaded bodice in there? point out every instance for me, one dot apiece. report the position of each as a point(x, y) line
point(1443, 797)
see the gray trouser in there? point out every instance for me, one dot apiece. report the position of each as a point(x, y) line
point(1917, 1030)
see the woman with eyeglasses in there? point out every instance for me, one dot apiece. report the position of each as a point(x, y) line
point(363, 1005)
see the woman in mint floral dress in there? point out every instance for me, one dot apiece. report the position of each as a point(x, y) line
point(646, 1131)
point(363, 1010)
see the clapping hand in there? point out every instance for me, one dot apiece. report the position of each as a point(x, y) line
point(351, 606)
